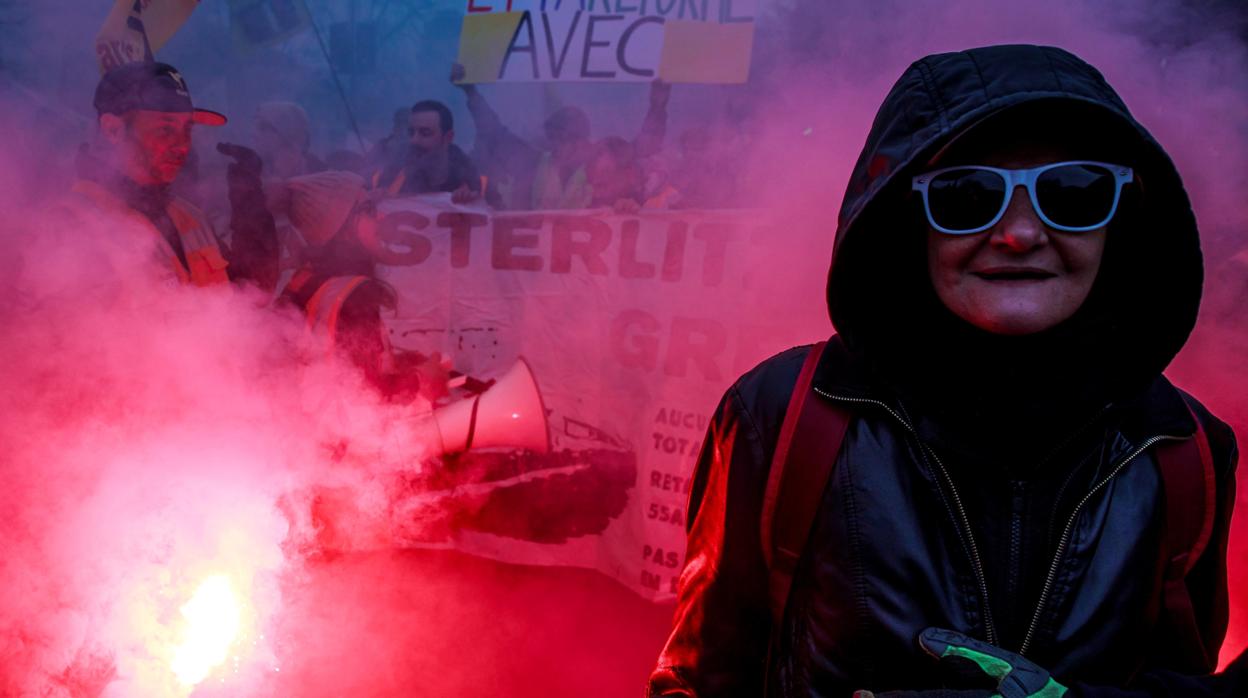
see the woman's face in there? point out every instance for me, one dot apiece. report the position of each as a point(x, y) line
point(1019, 276)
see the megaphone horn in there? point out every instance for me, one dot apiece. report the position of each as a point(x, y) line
point(509, 414)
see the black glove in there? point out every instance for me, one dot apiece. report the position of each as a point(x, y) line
point(934, 693)
point(254, 248)
point(1014, 676)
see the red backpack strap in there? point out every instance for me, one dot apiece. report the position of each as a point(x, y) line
point(810, 439)
point(1190, 500)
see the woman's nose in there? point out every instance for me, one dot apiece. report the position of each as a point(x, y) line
point(1020, 229)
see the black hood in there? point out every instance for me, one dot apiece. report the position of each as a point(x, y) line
point(1145, 300)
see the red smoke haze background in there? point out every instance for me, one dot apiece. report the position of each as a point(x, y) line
point(147, 432)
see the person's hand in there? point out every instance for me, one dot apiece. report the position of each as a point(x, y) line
point(934, 693)
point(626, 207)
point(254, 249)
point(246, 160)
point(464, 195)
point(457, 76)
point(660, 93)
point(978, 662)
point(242, 176)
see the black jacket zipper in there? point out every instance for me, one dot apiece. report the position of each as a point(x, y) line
point(961, 522)
point(1014, 571)
point(1070, 525)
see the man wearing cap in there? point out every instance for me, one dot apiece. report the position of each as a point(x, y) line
point(144, 140)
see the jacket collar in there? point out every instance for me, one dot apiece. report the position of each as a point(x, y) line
point(1158, 410)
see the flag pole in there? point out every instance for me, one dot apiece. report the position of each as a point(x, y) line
point(334, 74)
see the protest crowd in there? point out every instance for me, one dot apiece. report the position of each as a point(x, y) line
point(291, 220)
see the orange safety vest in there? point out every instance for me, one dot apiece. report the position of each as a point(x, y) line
point(325, 306)
point(205, 265)
point(393, 187)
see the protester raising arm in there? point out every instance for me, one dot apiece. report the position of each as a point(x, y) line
point(254, 249)
point(499, 150)
point(654, 126)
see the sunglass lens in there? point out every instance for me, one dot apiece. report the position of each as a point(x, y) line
point(1077, 196)
point(965, 199)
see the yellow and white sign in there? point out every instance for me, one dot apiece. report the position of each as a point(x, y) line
point(691, 41)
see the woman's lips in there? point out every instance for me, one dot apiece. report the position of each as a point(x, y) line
point(1005, 274)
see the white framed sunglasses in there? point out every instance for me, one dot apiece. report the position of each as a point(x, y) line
point(1073, 196)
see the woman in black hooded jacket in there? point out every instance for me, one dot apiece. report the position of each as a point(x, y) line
point(1016, 262)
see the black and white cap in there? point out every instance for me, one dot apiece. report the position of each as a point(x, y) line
point(149, 86)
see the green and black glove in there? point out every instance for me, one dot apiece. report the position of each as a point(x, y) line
point(1014, 676)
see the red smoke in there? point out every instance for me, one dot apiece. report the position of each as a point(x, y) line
point(146, 432)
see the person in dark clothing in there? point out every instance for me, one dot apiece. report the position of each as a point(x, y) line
point(1016, 262)
point(433, 163)
point(254, 250)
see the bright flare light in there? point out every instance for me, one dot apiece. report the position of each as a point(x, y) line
point(214, 617)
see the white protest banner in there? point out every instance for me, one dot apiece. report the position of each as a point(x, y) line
point(135, 29)
point(633, 325)
point(708, 41)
